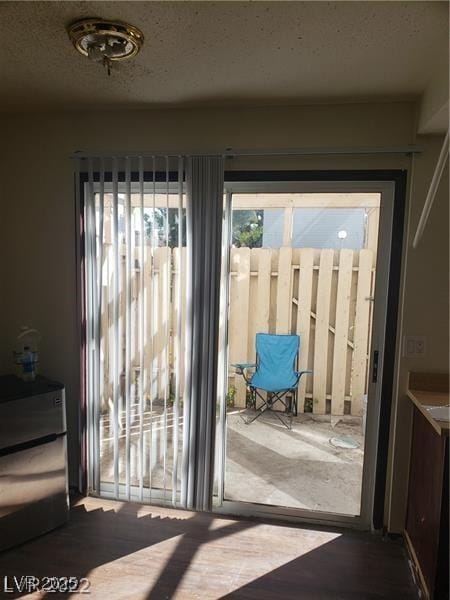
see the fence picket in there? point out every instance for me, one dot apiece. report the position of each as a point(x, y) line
point(179, 282)
point(284, 294)
point(305, 281)
point(148, 327)
point(341, 331)
point(164, 275)
point(361, 338)
point(238, 324)
point(322, 333)
point(260, 306)
point(157, 322)
point(259, 315)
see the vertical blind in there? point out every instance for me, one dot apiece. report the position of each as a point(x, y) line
point(152, 272)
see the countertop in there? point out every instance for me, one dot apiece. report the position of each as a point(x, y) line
point(429, 390)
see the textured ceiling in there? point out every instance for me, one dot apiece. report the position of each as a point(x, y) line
point(223, 53)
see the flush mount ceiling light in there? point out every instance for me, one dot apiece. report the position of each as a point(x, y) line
point(105, 41)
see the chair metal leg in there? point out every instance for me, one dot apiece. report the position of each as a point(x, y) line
point(269, 402)
point(259, 412)
point(287, 405)
point(287, 425)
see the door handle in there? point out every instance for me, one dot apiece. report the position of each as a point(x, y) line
point(375, 366)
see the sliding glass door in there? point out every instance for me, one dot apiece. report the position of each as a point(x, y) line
point(308, 260)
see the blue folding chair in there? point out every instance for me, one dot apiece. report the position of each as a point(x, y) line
point(275, 373)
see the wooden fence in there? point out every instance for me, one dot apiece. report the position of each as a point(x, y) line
point(323, 295)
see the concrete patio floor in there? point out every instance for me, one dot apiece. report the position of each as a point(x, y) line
point(265, 462)
point(269, 464)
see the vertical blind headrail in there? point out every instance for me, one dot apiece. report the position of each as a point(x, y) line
point(160, 176)
point(252, 152)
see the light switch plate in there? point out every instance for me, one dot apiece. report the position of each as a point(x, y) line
point(414, 346)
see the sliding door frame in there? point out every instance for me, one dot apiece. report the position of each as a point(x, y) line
point(396, 177)
point(393, 185)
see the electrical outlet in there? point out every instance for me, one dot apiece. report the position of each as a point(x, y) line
point(414, 346)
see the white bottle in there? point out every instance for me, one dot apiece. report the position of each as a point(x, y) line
point(28, 367)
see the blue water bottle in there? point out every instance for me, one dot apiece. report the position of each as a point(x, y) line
point(28, 366)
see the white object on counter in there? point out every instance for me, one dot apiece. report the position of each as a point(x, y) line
point(440, 413)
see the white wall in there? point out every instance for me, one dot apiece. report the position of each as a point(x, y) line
point(38, 217)
point(425, 312)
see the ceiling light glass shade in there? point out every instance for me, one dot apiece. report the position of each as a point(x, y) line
point(115, 40)
point(95, 53)
point(116, 48)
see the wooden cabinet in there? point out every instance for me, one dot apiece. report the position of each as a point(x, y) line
point(427, 520)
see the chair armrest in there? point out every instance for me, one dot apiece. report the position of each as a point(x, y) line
point(240, 367)
point(300, 373)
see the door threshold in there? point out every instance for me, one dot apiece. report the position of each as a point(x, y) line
point(290, 515)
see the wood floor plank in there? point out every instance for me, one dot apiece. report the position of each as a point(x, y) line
point(137, 552)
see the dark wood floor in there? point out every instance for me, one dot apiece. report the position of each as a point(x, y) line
point(130, 551)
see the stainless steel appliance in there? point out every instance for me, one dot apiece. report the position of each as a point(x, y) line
point(33, 459)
